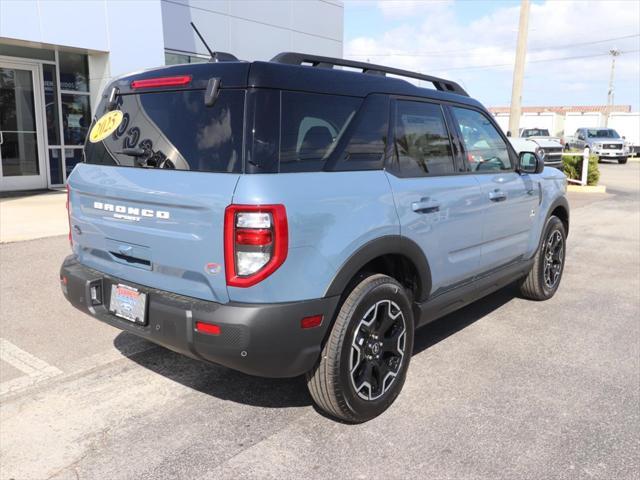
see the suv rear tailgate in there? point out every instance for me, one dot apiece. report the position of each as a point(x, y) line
point(155, 227)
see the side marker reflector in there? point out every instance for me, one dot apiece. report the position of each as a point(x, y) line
point(311, 322)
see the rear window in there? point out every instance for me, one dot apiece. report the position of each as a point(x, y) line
point(175, 130)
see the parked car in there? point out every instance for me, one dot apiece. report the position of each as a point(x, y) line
point(288, 217)
point(603, 142)
point(548, 147)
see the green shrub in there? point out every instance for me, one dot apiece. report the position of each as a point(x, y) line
point(572, 167)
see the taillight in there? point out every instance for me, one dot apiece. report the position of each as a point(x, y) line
point(256, 241)
point(69, 215)
point(176, 81)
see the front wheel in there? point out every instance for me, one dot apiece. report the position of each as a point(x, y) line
point(543, 279)
point(622, 160)
point(364, 362)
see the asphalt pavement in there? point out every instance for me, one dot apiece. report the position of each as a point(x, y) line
point(505, 388)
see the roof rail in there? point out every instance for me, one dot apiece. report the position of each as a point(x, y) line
point(294, 58)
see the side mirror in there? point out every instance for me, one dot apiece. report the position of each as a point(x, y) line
point(529, 162)
point(508, 133)
point(580, 137)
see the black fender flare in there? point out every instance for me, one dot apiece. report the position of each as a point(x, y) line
point(560, 202)
point(387, 245)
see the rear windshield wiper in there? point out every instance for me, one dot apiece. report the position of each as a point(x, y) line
point(133, 152)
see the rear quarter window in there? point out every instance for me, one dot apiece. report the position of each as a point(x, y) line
point(311, 127)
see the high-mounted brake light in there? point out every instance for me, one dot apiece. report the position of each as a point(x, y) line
point(256, 241)
point(69, 215)
point(176, 81)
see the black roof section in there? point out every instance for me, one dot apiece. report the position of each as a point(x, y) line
point(307, 73)
point(294, 58)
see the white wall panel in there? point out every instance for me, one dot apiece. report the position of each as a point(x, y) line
point(135, 35)
point(74, 24)
point(316, 45)
point(178, 34)
point(318, 18)
point(255, 29)
point(19, 19)
point(271, 13)
point(254, 41)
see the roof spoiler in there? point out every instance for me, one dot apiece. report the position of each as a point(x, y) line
point(294, 58)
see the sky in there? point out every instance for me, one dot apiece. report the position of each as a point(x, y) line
point(473, 42)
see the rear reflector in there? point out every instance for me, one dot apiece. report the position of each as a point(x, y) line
point(207, 328)
point(177, 81)
point(311, 322)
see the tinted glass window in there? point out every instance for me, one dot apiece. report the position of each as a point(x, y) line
point(422, 145)
point(74, 71)
point(76, 117)
point(175, 130)
point(535, 132)
point(311, 126)
point(263, 131)
point(485, 148)
point(602, 133)
point(367, 139)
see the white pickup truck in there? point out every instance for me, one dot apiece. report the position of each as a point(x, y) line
point(545, 145)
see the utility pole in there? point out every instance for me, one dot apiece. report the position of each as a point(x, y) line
point(614, 53)
point(518, 70)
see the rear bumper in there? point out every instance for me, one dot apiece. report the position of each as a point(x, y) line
point(258, 339)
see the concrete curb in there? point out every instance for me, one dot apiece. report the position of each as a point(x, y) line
point(587, 188)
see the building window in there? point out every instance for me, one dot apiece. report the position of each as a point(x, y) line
point(175, 58)
point(67, 112)
point(55, 166)
point(74, 72)
point(51, 104)
point(76, 118)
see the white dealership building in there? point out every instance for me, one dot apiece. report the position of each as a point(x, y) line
point(57, 55)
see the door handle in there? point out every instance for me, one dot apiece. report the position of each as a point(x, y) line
point(1, 138)
point(497, 196)
point(425, 205)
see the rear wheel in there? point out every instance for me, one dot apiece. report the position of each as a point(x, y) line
point(543, 279)
point(622, 160)
point(364, 362)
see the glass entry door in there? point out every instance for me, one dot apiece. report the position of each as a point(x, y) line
point(21, 140)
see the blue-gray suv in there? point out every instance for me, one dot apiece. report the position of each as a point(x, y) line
point(289, 218)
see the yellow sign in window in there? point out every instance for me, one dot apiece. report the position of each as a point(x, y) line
point(105, 126)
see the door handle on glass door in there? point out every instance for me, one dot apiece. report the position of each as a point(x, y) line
point(425, 205)
point(497, 196)
point(1, 138)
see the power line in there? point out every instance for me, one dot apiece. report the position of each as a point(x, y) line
point(575, 57)
point(471, 51)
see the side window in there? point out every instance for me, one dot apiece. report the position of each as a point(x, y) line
point(366, 140)
point(422, 145)
point(312, 124)
point(485, 148)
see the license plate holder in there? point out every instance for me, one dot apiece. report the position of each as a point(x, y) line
point(128, 303)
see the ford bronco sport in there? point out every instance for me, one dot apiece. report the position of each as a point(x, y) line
point(289, 217)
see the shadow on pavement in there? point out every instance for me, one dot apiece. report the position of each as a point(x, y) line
point(227, 384)
point(442, 328)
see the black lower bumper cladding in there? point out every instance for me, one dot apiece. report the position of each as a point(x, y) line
point(259, 339)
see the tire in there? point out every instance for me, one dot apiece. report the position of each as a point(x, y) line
point(338, 381)
point(543, 280)
point(622, 160)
